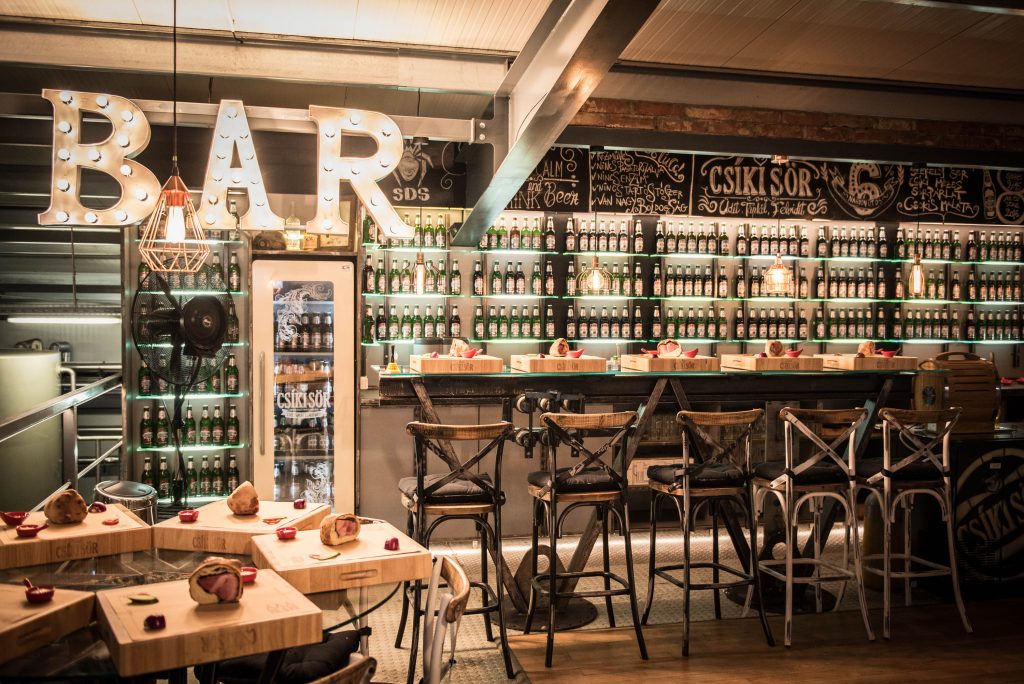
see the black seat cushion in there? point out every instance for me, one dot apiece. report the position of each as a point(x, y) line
point(587, 480)
point(714, 475)
point(822, 472)
point(300, 665)
point(454, 492)
point(917, 471)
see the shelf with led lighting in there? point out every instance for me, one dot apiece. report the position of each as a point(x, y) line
point(611, 254)
point(513, 252)
point(152, 345)
point(609, 340)
point(179, 292)
point(514, 297)
point(617, 298)
point(511, 340)
point(213, 242)
point(407, 295)
point(408, 250)
point(194, 447)
point(190, 395)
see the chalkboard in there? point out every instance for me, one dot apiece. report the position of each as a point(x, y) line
point(863, 190)
point(427, 176)
point(1004, 198)
point(749, 187)
point(560, 183)
point(636, 182)
point(942, 194)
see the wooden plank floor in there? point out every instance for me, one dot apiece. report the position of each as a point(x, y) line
point(928, 644)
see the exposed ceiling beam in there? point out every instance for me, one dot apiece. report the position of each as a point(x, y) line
point(221, 53)
point(1015, 7)
point(564, 62)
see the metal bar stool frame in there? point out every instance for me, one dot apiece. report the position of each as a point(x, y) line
point(895, 493)
point(689, 500)
point(792, 497)
point(427, 439)
point(570, 429)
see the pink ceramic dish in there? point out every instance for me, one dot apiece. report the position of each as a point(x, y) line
point(29, 531)
point(14, 518)
point(39, 593)
point(690, 353)
point(576, 354)
point(793, 353)
point(286, 533)
point(887, 354)
point(189, 515)
point(248, 575)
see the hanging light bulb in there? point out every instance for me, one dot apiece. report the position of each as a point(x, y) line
point(915, 284)
point(778, 279)
point(419, 274)
point(594, 279)
point(175, 223)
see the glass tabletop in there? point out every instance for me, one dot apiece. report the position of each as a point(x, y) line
point(82, 655)
point(407, 373)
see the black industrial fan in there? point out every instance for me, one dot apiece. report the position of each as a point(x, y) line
point(180, 334)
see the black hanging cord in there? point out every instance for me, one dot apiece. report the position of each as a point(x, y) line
point(174, 91)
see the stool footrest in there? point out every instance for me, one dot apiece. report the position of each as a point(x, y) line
point(540, 582)
point(841, 574)
point(934, 569)
point(745, 580)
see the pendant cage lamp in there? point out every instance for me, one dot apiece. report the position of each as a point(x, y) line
point(594, 279)
point(173, 239)
point(915, 283)
point(778, 279)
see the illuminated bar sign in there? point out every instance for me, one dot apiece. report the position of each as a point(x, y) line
point(140, 188)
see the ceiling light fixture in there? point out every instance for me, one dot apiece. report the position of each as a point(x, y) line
point(778, 279)
point(173, 239)
point(594, 279)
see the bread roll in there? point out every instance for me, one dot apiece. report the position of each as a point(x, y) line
point(669, 349)
point(244, 500)
point(774, 348)
point(66, 507)
point(216, 580)
point(866, 348)
point(559, 347)
point(339, 529)
point(458, 347)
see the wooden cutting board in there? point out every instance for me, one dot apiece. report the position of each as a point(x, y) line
point(481, 363)
point(531, 363)
point(25, 626)
point(271, 616)
point(648, 364)
point(749, 362)
point(360, 563)
point(86, 539)
point(220, 530)
point(851, 362)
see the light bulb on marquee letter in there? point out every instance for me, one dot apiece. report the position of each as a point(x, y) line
point(129, 137)
point(233, 129)
point(362, 173)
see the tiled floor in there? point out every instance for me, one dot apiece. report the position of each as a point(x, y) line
point(480, 661)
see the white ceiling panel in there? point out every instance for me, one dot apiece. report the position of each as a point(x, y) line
point(703, 32)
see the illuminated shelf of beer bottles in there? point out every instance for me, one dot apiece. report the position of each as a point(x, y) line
point(194, 447)
point(410, 250)
point(177, 292)
point(608, 298)
point(516, 297)
point(293, 354)
point(407, 295)
point(168, 344)
point(916, 340)
point(524, 252)
point(512, 340)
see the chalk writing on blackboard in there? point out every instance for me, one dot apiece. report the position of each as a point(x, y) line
point(745, 187)
point(638, 182)
point(561, 182)
point(940, 193)
point(864, 190)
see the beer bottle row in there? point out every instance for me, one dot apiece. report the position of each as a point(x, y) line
point(211, 430)
point(313, 333)
point(992, 246)
point(513, 324)
point(514, 281)
point(203, 279)
point(409, 326)
point(207, 481)
point(427, 232)
point(528, 237)
point(222, 380)
point(401, 279)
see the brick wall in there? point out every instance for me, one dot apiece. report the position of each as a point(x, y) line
point(783, 124)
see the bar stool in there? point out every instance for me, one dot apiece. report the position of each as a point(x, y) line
point(825, 474)
point(460, 494)
point(922, 471)
point(713, 472)
point(591, 482)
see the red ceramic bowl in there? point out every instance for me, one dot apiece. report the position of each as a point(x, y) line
point(887, 354)
point(286, 532)
point(576, 354)
point(248, 575)
point(299, 504)
point(14, 518)
point(793, 353)
point(470, 354)
point(189, 515)
point(690, 353)
point(39, 594)
point(29, 530)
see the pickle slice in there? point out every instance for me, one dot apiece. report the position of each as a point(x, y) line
point(324, 556)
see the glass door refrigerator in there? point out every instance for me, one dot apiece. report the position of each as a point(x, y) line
point(304, 383)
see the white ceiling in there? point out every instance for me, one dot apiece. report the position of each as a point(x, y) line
point(877, 39)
